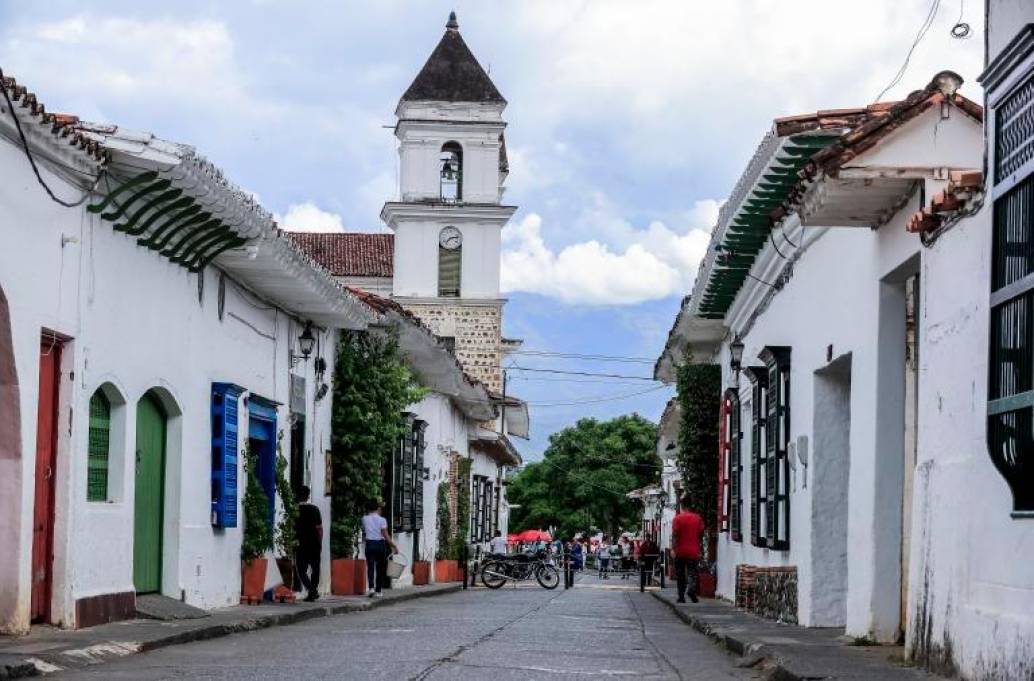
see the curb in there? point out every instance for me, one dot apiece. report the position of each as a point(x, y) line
point(754, 653)
point(12, 667)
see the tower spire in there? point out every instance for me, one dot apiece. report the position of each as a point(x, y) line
point(452, 24)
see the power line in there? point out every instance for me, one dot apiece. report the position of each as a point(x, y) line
point(609, 398)
point(32, 161)
point(577, 355)
point(583, 373)
point(590, 484)
point(923, 28)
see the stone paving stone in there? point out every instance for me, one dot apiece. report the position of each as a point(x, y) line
point(48, 649)
point(788, 651)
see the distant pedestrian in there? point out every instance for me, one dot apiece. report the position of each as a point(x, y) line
point(308, 528)
point(498, 544)
point(577, 556)
point(378, 539)
point(648, 552)
point(687, 529)
point(603, 559)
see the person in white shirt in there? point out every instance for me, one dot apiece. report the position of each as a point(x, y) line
point(498, 543)
point(378, 539)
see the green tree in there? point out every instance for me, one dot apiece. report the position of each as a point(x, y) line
point(581, 482)
point(699, 389)
point(372, 386)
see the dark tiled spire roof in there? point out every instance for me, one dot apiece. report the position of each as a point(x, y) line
point(452, 74)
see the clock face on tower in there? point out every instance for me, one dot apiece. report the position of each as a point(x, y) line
point(450, 238)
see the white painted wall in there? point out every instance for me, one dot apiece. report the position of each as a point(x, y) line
point(845, 298)
point(136, 324)
point(416, 258)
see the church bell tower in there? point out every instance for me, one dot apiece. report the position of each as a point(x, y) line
point(449, 220)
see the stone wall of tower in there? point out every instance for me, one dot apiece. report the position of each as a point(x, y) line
point(477, 330)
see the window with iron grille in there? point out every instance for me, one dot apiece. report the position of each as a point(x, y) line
point(725, 465)
point(777, 440)
point(758, 455)
point(1010, 407)
point(99, 447)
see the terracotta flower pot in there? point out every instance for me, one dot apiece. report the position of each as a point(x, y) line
point(706, 585)
point(360, 576)
point(253, 579)
point(421, 572)
point(286, 567)
point(342, 577)
point(446, 571)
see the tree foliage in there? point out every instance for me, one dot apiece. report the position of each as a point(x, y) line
point(587, 469)
point(372, 387)
point(699, 389)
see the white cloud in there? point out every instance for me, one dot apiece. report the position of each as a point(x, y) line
point(308, 217)
point(653, 263)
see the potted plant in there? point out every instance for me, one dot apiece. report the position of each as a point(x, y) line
point(445, 568)
point(347, 573)
point(372, 386)
point(421, 572)
point(258, 533)
point(286, 538)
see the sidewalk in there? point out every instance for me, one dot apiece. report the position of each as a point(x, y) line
point(48, 649)
point(789, 652)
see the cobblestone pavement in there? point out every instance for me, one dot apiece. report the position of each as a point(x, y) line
point(598, 629)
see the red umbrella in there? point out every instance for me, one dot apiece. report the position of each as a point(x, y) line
point(534, 535)
point(512, 539)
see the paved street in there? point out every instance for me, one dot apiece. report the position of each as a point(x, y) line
point(602, 629)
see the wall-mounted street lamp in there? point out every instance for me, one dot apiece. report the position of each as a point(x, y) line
point(736, 355)
point(306, 343)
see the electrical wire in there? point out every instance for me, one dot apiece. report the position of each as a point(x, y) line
point(582, 373)
point(32, 161)
point(923, 29)
point(608, 398)
point(575, 355)
point(572, 473)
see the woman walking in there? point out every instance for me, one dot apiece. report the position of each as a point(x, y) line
point(603, 558)
point(378, 539)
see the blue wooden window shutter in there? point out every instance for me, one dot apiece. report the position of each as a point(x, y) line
point(224, 453)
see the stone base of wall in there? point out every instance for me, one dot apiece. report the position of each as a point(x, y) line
point(769, 592)
point(94, 610)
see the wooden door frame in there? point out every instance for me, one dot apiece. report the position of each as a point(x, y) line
point(54, 343)
point(151, 395)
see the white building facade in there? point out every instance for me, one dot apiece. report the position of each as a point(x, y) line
point(129, 320)
point(845, 297)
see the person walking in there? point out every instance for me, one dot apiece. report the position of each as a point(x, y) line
point(577, 555)
point(603, 558)
point(498, 544)
point(308, 528)
point(648, 554)
point(378, 539)
point(687, 529)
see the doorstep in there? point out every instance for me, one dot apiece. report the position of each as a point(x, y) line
point(47, 649)
point(787, 651)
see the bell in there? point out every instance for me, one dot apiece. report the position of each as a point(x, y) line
point(448, 171)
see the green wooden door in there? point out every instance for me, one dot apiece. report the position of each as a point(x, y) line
point(150, 495)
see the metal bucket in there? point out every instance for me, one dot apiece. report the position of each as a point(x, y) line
point(396, 565)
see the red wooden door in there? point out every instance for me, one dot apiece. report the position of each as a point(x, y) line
point(46, 459)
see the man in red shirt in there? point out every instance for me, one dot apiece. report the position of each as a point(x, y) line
point(686, 531)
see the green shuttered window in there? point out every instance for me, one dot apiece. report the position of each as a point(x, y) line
point(99, 447)
point(449, 272)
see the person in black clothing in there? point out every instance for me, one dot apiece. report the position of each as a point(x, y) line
point(309, 530)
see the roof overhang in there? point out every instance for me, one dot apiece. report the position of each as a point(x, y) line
point(690, 336)
point(496, 447)
point(433, 365)
point(518, 421)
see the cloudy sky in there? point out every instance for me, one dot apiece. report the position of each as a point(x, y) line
point(629, 124)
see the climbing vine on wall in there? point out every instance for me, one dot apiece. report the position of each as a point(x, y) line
point(372, 387)
point(699, 394)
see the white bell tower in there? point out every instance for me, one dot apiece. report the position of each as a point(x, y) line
point(449, 221)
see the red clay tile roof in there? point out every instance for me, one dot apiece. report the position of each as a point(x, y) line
point(963, 186)
point(350, 254)
point(61, 125)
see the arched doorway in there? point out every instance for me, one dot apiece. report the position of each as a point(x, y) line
point(151, 430)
